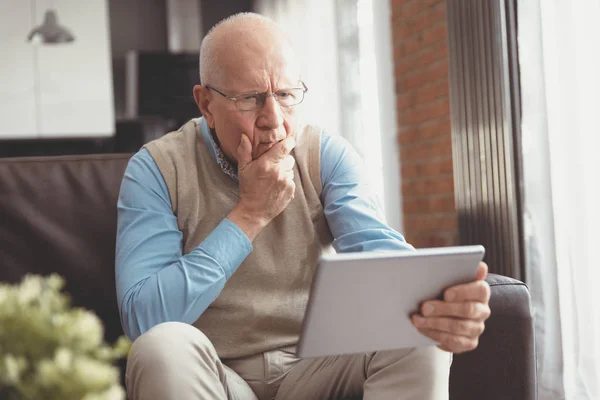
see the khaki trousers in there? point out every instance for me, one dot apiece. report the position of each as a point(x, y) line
point(177, 361)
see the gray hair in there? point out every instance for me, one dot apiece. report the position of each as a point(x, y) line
point(210, 72)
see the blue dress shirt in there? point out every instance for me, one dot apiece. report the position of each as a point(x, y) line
point(157, 283)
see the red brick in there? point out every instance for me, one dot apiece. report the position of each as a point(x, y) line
point(427, 130)
point(434, 91)
point(432, 3)
point(426, 111)
point(426, 205)
point(405, 30)
point(439, 55)
point(409, 9)
point(436, 52)
point(437, 185)
point(419, 34)
point(406, 47)
point(407, 25)
point(422, 76)
point(430, 222)
point(427, 93)
point(432, 239)
point(397, 4)
point(421, 59)
point(433, 35)
point(406, 100)
point(426, 168)
point(417, 146)
point(426, 150)
point(406, 64)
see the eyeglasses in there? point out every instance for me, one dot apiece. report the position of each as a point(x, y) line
point(255, 100)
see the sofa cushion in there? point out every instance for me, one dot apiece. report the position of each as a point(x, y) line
point(58, 214)
point(504, 364)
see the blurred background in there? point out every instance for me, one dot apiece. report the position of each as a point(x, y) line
point(477, 119)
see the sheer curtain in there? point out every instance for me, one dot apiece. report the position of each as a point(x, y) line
point(310, 25)
point(560, 65)
point(345, 50)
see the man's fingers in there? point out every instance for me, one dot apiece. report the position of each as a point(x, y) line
point(282, 149)
point(472, 291)
point(244, 152)
point(451, 343)
point(457, 322)
point(442, 347)
point(287, 164)
point(470, 310)
point(482, 271)
point(289, 176)
point(455, 326)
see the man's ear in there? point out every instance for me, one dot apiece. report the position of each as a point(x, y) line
point(203, 96)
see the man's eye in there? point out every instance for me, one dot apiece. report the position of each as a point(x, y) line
point(249, 97)
point(284, 95)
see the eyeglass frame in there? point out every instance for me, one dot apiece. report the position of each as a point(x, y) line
point(263, 94)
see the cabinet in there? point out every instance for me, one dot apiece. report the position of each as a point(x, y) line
point(55, 90)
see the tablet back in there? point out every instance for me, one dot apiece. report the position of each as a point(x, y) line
point(362, 302)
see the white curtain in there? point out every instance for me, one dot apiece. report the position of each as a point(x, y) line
point(310, 25)
point(559, 56)
point(345, 50)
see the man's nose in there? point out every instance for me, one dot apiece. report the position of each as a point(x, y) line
point(270, 116)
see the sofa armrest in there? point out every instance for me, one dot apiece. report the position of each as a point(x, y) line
point(503, 366)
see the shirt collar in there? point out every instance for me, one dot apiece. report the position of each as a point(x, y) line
point(211, 141)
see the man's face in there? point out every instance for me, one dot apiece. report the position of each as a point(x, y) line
point(264, 126)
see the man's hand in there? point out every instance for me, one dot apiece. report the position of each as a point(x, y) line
point(457, 322)
point(266, 185)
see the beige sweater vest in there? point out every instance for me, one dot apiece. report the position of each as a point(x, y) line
point(262, 305)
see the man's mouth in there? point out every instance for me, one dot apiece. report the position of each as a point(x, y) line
point(268, 145)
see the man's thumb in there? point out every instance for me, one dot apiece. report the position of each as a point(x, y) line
point(244, 152)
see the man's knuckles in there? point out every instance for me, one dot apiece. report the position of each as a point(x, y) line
point(486, 292)
point(288, 163)
point(479, 290)
point(459, 327)
point(280, 150)
point(472, 291)
point(476, 311)
point(468, 310)
point(452, 343)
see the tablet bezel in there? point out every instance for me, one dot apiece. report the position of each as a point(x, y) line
point(325, 332)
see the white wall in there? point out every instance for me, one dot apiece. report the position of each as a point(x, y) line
point(17, 85)
point(58, 90)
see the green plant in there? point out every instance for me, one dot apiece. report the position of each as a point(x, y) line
point(50, 350)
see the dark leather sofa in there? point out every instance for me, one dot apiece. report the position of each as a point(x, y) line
point(58, 214)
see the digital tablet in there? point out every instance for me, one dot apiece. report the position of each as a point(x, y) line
point(362, 302)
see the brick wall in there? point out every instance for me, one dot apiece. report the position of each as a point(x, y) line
point(423, 110)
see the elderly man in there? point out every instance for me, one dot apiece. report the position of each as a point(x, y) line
point(221, 225)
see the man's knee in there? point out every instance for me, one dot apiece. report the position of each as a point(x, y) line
point(173, 360)
point(429, 360)
point(168, 341)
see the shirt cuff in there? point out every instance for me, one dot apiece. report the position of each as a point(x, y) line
point(228, 245)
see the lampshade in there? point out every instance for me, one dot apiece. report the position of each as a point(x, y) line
point(50, 32)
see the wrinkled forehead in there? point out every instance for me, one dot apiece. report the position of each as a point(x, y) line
point(257, 60)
